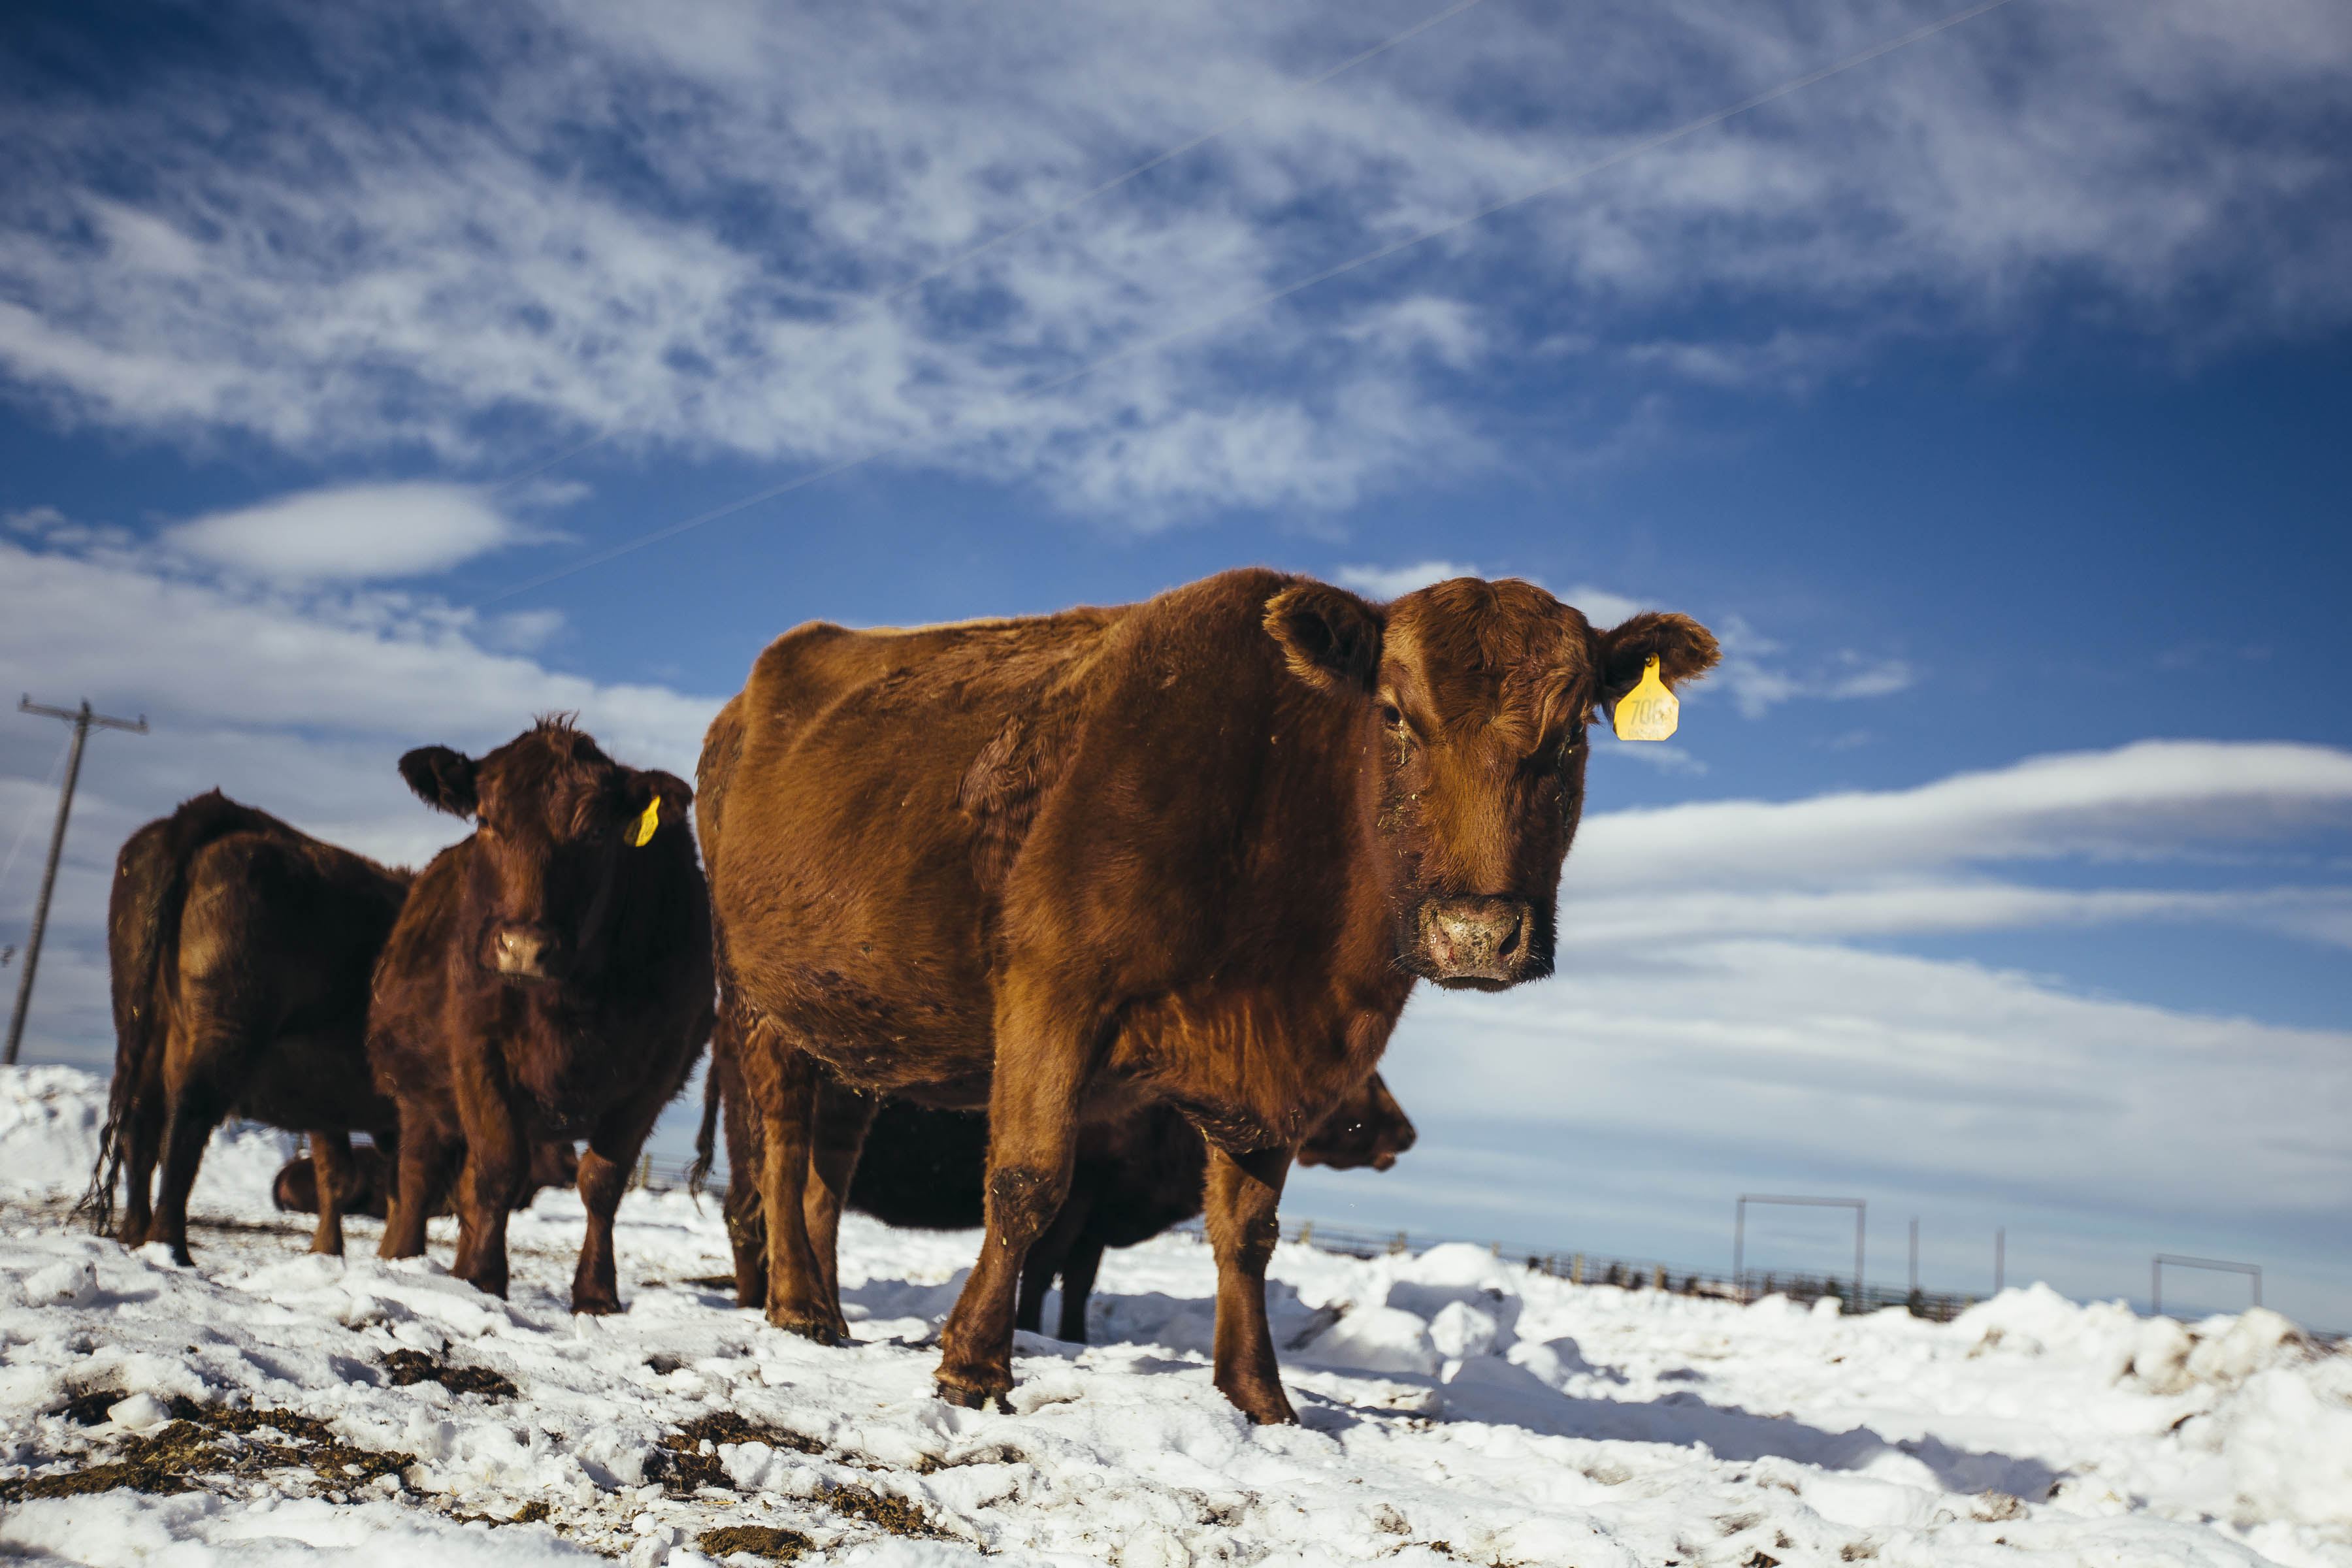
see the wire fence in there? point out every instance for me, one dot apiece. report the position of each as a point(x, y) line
point(1576, 1268)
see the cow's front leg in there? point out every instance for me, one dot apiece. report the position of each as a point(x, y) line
point(421, 1162)
point(836, 1137)
point(1044, 1049)
point(783, 1083)
point(604, 1167)
point(498, 1162)
point(1243, 1230)
point(331, 1167)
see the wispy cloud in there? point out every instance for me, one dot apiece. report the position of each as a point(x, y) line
point(677, 229)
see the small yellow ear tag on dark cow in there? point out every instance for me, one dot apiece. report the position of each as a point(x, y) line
point(652, 818)
point(1649, 712)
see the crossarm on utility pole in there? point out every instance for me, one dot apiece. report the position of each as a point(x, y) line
point(83, 721)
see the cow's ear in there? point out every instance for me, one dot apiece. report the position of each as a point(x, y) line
point(1685, 651)
point(1330, 638)
point(443, 779)
point(647, 786)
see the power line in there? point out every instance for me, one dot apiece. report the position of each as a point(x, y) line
point(25, 828)
point(1559, 181)
point(900, 291)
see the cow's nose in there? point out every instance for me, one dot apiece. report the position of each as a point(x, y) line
point(523, 953)
point(1474, 938)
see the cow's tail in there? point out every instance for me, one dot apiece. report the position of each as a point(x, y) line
point(706, 1141)
point(142, 928)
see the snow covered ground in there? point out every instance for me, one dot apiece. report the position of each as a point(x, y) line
point(1453, 1408)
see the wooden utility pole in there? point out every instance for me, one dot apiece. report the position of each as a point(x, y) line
point(82, 720)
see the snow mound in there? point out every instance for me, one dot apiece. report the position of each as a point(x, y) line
point(50, 1120)
point(49, 1123)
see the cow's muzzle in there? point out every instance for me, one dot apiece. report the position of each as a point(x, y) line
point(525, 953)
point(1478, 943)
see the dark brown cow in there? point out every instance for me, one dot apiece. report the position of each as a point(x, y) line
point(295, 1189)
point(927, 1169)
point(548, 979)
point(241, 949)
point(1196, 851)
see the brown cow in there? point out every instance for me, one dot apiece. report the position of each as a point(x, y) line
point(925, 1169)
point(1196, 851)
point(548, 979)
point(295, 1189)
point(241, 949)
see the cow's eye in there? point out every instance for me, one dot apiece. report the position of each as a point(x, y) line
point(1391, 716)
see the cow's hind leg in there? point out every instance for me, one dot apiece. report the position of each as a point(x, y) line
point(1049, 1254)
point(331, 1162)
point(604, 1167)
point(836, 1137)
point(198, 1061)
point(142, 1142)
point(1077, 1284)
point(1244, 1189)
point(747, 1234)
point(782, 1080)
point(1045, 1045)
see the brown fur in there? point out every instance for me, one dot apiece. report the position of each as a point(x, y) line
point(295, 1189)
point(548, 979)
point(1193, 851)
point(241, 949)
point(925, 1169)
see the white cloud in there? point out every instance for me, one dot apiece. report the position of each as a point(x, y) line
point(354, 532)
point(1601, 606)
point(1946, 1073)
point(2152, 798)
point(335, 266)
point(1395, 582)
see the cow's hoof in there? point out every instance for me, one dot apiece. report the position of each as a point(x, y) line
point(595, 1306)
point(815, 1326)
point(1263, 1408)
point(973, 1396)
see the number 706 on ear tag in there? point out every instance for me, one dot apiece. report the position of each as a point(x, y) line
point(1649, 712)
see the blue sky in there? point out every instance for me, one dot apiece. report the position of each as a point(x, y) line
point(1989, 397)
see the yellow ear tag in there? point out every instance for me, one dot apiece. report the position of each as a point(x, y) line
point(1649, 712)
point(652, 818)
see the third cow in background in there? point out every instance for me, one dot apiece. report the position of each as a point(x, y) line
point(927, 1169)
point(1193, 852)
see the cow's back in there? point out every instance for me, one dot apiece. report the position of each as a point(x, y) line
point(861, 802)
point(279, 935)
